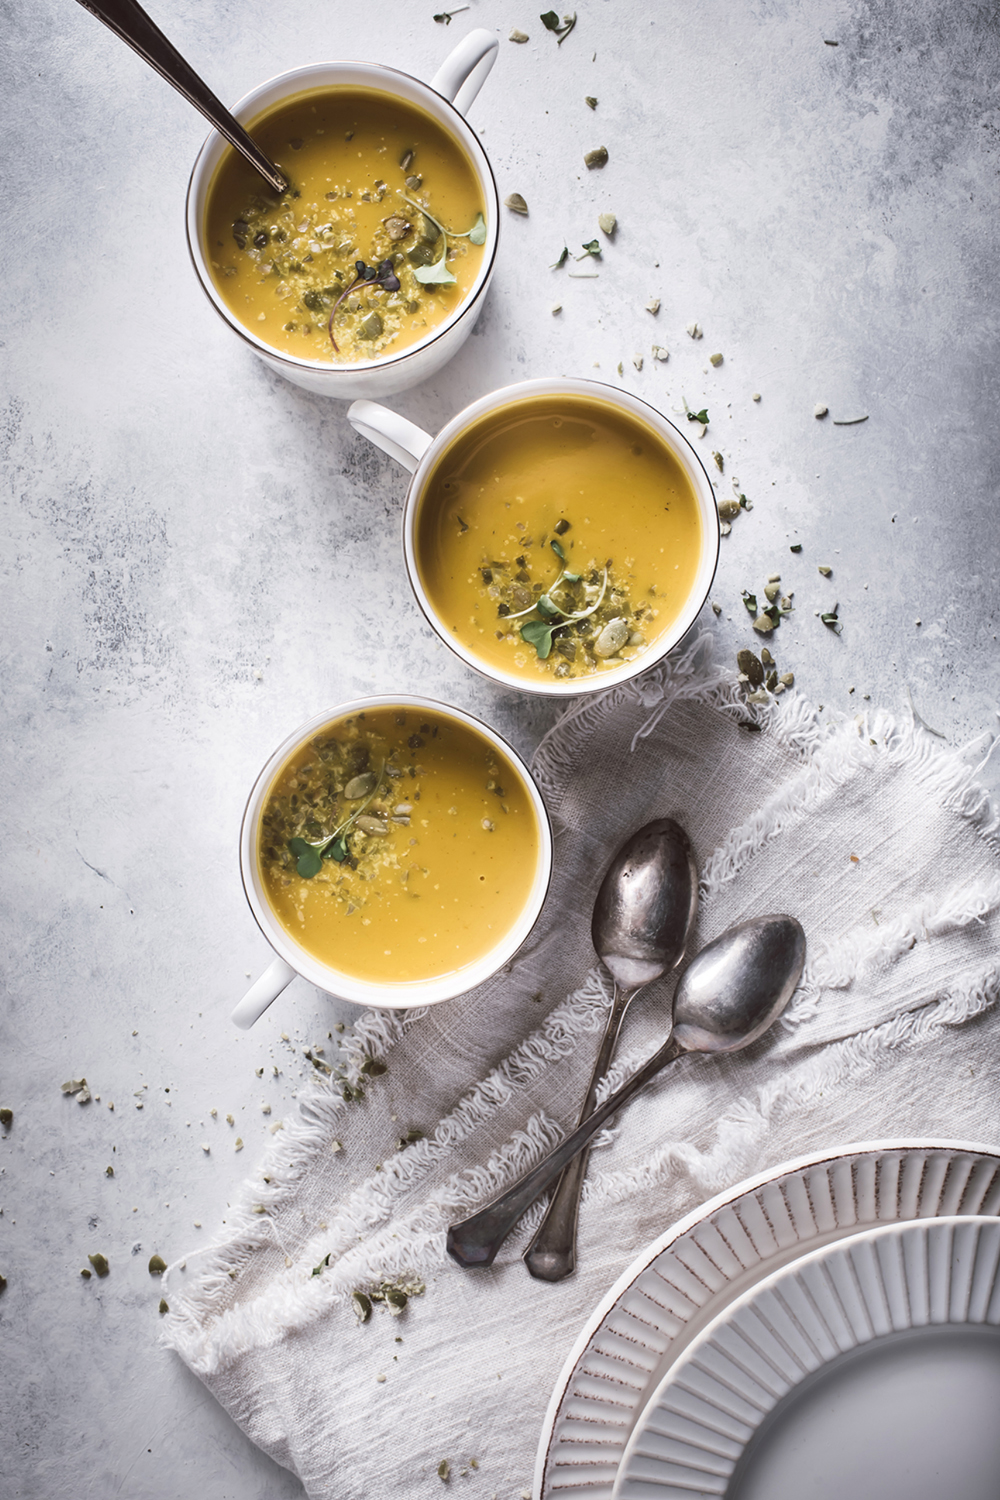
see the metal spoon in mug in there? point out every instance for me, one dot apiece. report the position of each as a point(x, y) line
point(642, 918)
point(727, 997)
point(128, 20)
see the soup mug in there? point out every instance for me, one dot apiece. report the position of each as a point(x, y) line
point(445, 99)
point(420, 454)
point(293, 958)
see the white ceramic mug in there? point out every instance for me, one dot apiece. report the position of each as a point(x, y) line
point(447, 97)
point(293, 959)
point(418, 452)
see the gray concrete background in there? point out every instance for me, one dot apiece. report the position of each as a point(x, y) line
point(197, 556)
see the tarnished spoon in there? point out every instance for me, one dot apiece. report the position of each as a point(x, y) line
point(128, 20)
point(726, 998)
point(642, 918)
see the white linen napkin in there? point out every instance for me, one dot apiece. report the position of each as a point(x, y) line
point(886, 850)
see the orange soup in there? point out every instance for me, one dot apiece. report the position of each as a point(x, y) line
point(558, 536)
point(375, 184)
point(398, 845)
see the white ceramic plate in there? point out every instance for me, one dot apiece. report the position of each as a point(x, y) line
point(864, 1369)
point(683, 1280)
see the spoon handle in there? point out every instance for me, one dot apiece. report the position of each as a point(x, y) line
point(128, 20)
point(552, 1253)
point(476, 1240)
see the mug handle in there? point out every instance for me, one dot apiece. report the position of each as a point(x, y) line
point(259, 996)
point(402, 440)
point(465, 70)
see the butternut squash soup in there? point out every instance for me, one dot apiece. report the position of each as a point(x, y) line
point(557, 536)
point(397, 845)
point(377, 240)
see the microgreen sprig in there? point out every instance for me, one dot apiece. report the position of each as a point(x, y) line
point(438, 274)
point(383, 275)
point(539, 633)
point(562, 29)
point(309, 856)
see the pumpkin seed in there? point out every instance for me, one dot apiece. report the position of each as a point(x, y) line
point(362, 1306)
point(99, 1263)
point(715, 359)
point(763, 624)
point(515, 203)
point(771, 591)
point(518, 36)
point(6, 1117)
point(766, 657)
point(826, 572)
point(608, 223)
point(720, 463)
point(368, 824)
point(371, 327)
point(729, 509)
point(360, 786)
point(819, 410)
point(750, 666)
point(611, 639)
point(397, 227)
point(596, 158)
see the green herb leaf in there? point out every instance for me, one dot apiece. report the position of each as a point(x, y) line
point(477, 234)
point(562, 29)
point(593, 247)
point(831, 621)
point(337, 851)
point(750, 600)
point(699, 416)
point(557, 549)
point(435, 275)
point(546, 608)
point(540, 636)
point(308, 860)
point(563, 258)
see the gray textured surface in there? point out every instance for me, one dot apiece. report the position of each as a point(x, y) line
point(197, 556)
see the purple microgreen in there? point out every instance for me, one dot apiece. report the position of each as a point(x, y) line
point(382, 275)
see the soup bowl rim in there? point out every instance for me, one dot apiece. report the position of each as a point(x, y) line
point(368, 75)
point(391, 996)
point(677, 443)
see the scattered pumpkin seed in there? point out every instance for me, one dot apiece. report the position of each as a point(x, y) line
point(729, 509)
point(826, 572)
point(715, 359)
point(109, 1171)
point(772, 681)
point(164, 1306)
point(763, 624)
point(362, 1306)
point(786, 601)
point(725, 527)
point(787, 679)
point(6, 1117)
point(85, 1273)
point(750, 667)
point(99, 1263)
point(766, 657)
point(607, 222)
point(556, 308)
point(716, 607)
point(238, 1143)
point(596, 158)
point(819, 410)
point(589, 99)
point(774, 577)
point(515, 203)
point(157, 1265)
point(720, 462)
point(444, 1470)
point(518, 36)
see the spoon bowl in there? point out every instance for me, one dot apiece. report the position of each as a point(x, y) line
point(765, 956)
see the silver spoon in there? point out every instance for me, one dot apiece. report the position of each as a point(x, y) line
point(128, 20)
point(726, 998)
point(642, 918)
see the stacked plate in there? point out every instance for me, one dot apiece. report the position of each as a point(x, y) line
point(828, 1329)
